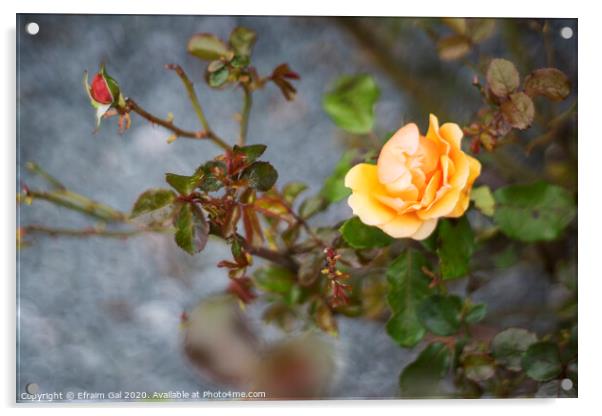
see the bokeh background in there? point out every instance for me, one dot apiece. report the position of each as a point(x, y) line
point(102, 315)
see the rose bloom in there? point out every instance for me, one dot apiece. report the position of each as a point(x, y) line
point(417, 180)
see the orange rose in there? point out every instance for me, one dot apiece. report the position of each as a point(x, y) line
point(417, 180)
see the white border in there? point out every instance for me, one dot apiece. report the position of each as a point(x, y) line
point(590, 150)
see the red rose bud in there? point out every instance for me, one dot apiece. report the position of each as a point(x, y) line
point(103, 93)
point(100, 91)
point(104, 89)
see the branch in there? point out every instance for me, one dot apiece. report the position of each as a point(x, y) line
point(194, 100)
point(277, 257)
point(88, 232)
point(77, 202)
point(132, 105)
point(246, 110)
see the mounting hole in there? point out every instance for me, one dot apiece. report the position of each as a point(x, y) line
point(566, 32)
point(566, 384)
point(31, 388)
point(32, 28)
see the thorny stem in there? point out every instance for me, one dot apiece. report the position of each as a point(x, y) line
point(277, 257)
point(246, 110)
point(131, 105)
point(194, 100)
point(77, 202)
point(87, 232)
point(35, 168)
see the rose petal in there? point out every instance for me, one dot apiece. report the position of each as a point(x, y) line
point(462, 169)
point(392, 159)
point(442, 206)
point(452, 133)
point(369, 209)
point(425, 230)
point(363, 178)
point(431, 189)
point(433, 134)
point(402, 226)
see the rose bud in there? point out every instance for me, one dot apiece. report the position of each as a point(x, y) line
point(104, 93)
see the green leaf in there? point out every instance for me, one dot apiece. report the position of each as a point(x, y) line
point(539, 211)
point(361, 236)
point(456, 245)
point(242, 40)
point(476, 313)
point(483, 200)
point(509, 346)
point(502, 77)
point(152, 200)
point(441, 314)
point(548, 82)
point(183, 184)
point(334, 188)
point(218, 78)
point(408, 285)
point(292, 190)
point(421, 378)
point(261, 175)
point(275, 279)
point(251, 152)
point(312, 205)
point(453, 47)
point(478, 367)
point(541, 361)
point(209, 174)
point(192, 231)
point(518, 110)
point(350, 104)
point(207, 47)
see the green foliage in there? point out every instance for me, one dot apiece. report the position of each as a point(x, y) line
point(483, 200)
point(539, 211)
point(502, 77)
point(251, 152)
point(541, 361)
point(313, 205)
point(350, 104)
point(207, 47)
point(183, 184)
point(408, 285)
point(242, 41)
point(359, 235)
point(192, 230)
point(152, 200)
point(334, 188)
point(421, 378)
point(219, 77)
point(478, 367)
point(291, 191)
point(518, 110)
point(548, 82)
point(261, 175)
point(509, 346)
point(441, 314)
point(456, 245)
point(475, 313)
point(279, 281)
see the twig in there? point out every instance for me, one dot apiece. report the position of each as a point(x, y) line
point(77, 202)
point(246, 110)
point(88, 232)
point(135, 107)
point(35, 168)
point(194, 100)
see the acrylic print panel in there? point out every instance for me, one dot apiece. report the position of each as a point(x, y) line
point(259, 208)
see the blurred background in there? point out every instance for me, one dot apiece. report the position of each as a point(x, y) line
point(103, 315)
